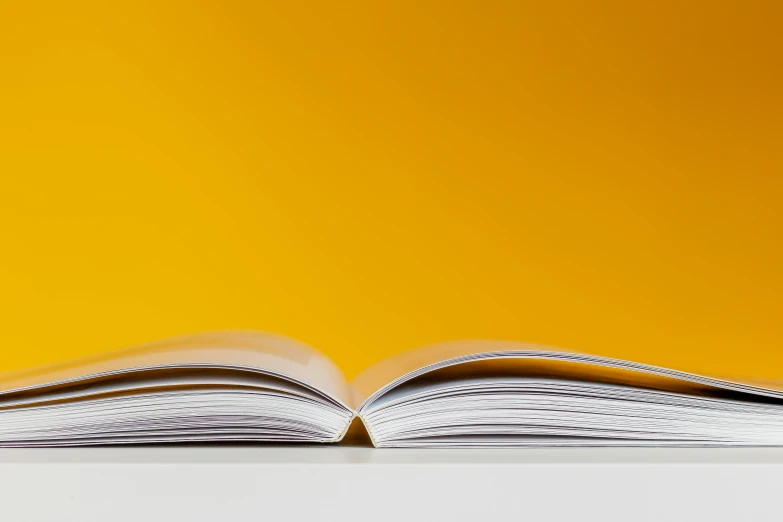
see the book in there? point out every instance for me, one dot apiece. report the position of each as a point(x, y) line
point(260, 387)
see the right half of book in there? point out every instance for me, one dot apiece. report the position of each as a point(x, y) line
point(505, 394)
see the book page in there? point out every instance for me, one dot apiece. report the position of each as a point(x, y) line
point(269, 353)
point(398, 369)
point(386, 371)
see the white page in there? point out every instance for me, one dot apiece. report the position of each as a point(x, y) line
point(398, 369)
point(519, 410)
point(171, 415)
point(152, 381)
point(270, 353)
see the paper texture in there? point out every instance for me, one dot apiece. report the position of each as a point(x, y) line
point(397, 369)
point(271, 353)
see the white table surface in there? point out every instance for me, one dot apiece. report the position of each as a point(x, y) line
point(219, 483)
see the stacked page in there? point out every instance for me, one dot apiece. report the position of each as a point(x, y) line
point(257, 387)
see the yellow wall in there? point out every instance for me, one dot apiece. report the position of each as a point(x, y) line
point(372, 176)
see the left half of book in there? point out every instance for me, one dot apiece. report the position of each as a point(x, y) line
point(222, 386)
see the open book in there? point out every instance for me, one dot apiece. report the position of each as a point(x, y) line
point(250, 386)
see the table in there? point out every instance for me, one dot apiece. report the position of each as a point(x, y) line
point(245, 482)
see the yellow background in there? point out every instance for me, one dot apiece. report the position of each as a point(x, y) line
point(372, 176)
